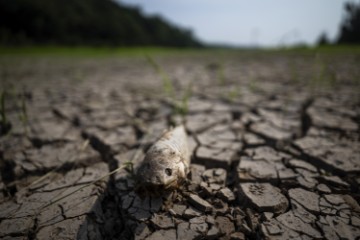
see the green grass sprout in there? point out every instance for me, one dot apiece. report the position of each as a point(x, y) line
point(166, 81)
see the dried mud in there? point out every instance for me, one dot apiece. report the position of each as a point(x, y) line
point(274, 138)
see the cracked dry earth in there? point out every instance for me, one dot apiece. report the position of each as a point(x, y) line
point(275, 147)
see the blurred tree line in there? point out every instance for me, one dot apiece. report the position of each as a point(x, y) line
point(350, 28)
point(349, 32)
point(85, 22)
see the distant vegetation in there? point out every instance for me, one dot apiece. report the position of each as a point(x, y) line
point(85, 22)
point(350, 28)
point(349, 31)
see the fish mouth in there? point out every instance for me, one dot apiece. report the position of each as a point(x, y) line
point(151, 189)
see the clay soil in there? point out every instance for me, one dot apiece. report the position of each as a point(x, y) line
point(274, 138)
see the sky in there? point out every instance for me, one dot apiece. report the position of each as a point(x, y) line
point(262, 23)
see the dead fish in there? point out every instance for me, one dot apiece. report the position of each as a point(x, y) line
point(166, 163)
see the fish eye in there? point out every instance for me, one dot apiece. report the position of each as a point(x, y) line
point(168, 171)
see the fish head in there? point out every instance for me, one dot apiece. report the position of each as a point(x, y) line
point(161, 171)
